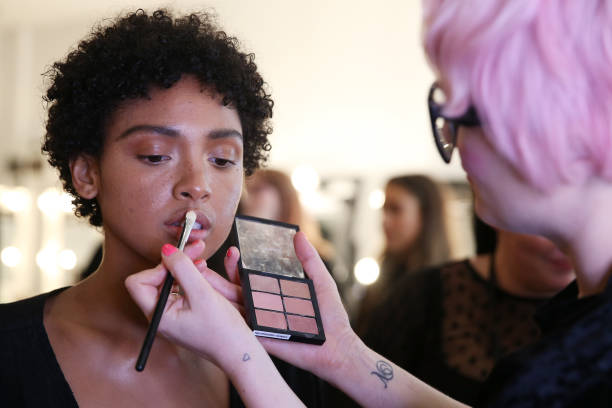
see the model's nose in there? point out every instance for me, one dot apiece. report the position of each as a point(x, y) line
point(194, 183)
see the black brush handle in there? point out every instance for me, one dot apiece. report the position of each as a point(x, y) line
point(157, 315)
point(159, 308)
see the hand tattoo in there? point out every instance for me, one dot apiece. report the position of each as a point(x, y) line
point(246, 357)
point(384, 372)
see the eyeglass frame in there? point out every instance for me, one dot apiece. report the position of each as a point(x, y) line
point(468, 119)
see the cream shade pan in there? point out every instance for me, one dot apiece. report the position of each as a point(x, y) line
point(283, 304)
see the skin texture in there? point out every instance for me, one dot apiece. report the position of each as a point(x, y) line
point(485, 169)
point(401, 218)
point(143, 182)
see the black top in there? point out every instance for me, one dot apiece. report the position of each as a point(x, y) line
point(30, 375)
point(448, 326)
point(572, 364)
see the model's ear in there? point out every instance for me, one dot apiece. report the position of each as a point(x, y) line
point(85, 176)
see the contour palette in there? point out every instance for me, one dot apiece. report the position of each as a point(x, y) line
point(279, 299)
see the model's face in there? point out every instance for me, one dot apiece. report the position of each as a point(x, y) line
point(180, 150)
point(262, 200)
point(401, 219)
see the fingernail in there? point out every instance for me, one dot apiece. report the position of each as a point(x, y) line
point(199, 262)
point(168, 249)
point(229, 253)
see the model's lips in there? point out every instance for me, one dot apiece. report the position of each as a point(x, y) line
point(201, 228)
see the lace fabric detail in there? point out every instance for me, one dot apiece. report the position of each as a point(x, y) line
point(480, 323)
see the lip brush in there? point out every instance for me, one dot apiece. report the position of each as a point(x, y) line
point(190, 218)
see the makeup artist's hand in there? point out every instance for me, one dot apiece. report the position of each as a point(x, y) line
point(204, 321)
point(340, 338)
point(344, 360)
point(201, 319)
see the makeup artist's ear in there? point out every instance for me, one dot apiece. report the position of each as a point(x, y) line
point(85, 176)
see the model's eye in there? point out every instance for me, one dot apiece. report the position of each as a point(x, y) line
point(220, 162)
point(154, 158)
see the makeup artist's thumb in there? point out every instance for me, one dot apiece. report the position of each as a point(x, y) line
point(195, 249)
point(143, 287)
point(183, 270)
point(309, 257)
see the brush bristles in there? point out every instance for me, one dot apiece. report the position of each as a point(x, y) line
point(190, 219)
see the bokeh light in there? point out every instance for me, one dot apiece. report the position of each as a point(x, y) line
point(376, 199)
point(10, 256)
point(366, 271)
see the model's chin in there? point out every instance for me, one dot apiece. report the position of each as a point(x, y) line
point(212, 246)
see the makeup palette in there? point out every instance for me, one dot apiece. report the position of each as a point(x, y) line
point(280, 300)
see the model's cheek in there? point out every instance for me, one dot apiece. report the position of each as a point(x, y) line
point(226, 194)
point(232, 189)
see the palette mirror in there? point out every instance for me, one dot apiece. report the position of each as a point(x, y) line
point(279, 298)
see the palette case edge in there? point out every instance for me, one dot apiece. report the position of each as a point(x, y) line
point(301, 337)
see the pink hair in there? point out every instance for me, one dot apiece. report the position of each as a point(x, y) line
point(539, 73)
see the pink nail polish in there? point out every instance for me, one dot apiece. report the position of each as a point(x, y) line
point(229, 253)
point(168, 249)
point(199, 262)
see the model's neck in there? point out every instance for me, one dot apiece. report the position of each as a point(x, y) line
point(104, 292)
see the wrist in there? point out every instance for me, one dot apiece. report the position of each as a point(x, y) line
point(229, 354)
point(341, 358)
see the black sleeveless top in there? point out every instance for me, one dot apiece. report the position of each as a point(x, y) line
point(571, 366)
point(448, 326)
point(30, 375)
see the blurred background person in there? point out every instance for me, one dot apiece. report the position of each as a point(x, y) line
point(450, 324)
point(414, 225)
point(270, 194)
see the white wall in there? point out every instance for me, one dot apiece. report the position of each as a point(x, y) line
point(348, 76)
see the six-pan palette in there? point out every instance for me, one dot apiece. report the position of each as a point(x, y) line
point(279, 299)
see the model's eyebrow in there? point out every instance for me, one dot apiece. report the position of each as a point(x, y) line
point(166, 131)
point(222, 133)
point(162, 130)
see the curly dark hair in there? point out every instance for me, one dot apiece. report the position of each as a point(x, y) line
point(122, 60)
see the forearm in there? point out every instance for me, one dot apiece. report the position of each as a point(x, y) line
point(256, 378)
point(373, 381)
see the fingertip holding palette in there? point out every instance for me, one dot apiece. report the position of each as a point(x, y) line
point(280, 300)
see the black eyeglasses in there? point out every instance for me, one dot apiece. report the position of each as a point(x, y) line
point(444, 128)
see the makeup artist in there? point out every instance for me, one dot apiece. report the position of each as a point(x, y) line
point(524, 91)
point(151, 116)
